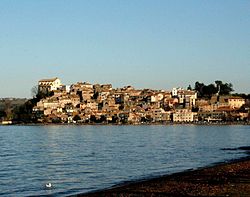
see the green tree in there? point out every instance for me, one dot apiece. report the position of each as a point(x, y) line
point(199, 88)
point(24, 113)
point(224, 88)
point(209, 90)
point(189, 87)
point(8, 110)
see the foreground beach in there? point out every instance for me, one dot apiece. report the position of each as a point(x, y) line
point(225, 179)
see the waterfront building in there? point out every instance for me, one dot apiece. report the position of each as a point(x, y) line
point(183, 115)
point(211, 116)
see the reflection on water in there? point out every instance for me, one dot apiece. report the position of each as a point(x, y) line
point(78, 159)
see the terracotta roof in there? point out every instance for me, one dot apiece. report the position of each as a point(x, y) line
point(188, 92)
point(225, 108)
point(48, 80)
point(235, 97)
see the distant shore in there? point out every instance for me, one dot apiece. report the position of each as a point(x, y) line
point(223, 179)
point(152, 123)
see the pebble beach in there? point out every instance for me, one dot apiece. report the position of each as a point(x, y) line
point(224, 179)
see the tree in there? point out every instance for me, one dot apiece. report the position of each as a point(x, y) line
point(38, 95)
point(226, 88)
point(34, 91)
point(8, 110)
point(218, 83)
point(103, 118)
point(92, 118)
point(24, 113)
point(209, 90)
point(77, 118)
point(189, 87)
point(199, 88)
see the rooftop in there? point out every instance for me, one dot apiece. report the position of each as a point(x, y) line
point(48, 80)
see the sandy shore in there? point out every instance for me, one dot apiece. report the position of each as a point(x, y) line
point(227, 179)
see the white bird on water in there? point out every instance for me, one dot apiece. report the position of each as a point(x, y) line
point(48, 185)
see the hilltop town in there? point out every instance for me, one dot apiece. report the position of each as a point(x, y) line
point(85, 103)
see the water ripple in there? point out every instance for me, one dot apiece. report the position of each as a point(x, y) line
point(86, 158)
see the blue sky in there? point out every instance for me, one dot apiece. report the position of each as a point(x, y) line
point(156, 44)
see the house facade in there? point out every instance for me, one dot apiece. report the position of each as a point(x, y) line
point(183, 115)
point(236, 102)
point(48, 85)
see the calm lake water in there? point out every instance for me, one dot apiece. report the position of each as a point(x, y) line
point(78, 159)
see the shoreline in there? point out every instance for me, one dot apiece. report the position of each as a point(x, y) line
point(139, 124)
point(229, 178)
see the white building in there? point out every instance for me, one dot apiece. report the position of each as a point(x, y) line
point(175, 91)
point(47, 85)
point(183, 115)
point(236, 102)
point(186, 97)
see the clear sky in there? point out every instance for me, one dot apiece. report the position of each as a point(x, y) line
point(156, 44)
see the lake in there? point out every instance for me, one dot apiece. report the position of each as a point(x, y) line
point(79, 159)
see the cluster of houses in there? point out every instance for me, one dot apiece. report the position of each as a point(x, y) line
point(86, 103)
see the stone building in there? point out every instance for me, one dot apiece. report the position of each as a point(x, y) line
point(183, 115)
point(48, 85)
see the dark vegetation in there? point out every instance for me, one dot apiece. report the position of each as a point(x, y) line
point(207, 91)
point(20, 110)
